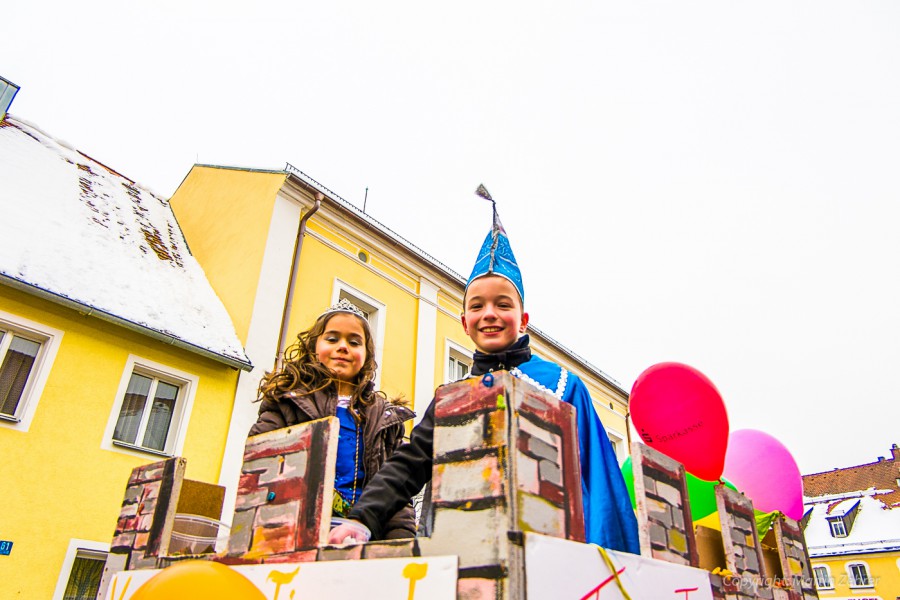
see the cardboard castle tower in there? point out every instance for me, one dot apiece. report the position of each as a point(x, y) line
point(505, 518)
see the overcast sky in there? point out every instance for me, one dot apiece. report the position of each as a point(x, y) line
point(714, 183)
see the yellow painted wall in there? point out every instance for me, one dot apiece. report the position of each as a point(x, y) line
point(225, 215)
point(58, 482)
point(884, 571)
point(319, 266)
point(450, 328)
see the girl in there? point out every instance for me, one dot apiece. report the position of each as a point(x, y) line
point(330, 371)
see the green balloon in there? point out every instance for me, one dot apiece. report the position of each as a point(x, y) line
point(701, 493)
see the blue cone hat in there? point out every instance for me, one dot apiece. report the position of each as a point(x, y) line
point(496, 256)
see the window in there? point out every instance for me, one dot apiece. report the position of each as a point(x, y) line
point(859, 575)
point(459, 362)
point(151, 409)
point(375, 312)
point(84, 578)
point(823, 578)
point(618, 444)
point(27, 350)
point(82, 570)
point(837, 527)
point(19, 354)
point(145, 418)
point(459, 369)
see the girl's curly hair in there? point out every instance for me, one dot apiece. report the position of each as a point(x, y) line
point(301, 369)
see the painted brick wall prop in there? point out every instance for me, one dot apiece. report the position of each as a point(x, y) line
point(144, 527)
point(743, 555)
point(665, 525)
point(285, 492)
point(147, 516)
point(794, 558)
point(505, 462)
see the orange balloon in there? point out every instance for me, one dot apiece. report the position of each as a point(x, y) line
point(198, 580)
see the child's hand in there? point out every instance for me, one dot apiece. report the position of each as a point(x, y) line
point(349, 532)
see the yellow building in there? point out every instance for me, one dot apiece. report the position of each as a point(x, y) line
point(852, 529)
point(279, 248)
point(117, 348)
point(114, 352)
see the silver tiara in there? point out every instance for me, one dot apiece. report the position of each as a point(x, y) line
point(345, 305)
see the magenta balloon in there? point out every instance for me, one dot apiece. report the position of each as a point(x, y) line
point(677, 410)
point(765, 471)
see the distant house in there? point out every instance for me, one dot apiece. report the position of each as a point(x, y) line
point(114, 351)
point(279, 248)
point(852, 518)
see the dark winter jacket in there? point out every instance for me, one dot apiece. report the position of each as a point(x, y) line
point(382, 434)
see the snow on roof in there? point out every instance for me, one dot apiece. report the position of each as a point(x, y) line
point(840, 508)
point(78, 231)
point(876, 527)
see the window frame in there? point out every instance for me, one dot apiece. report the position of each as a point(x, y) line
point(458, 353)
point(852, 579)
point(49, 339)
point(76, 546)
point(835, 521)
point(377, 312)
point(619, 446)
point(828, 577)
point(187, 385)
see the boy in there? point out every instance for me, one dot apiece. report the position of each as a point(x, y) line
point(494, 318)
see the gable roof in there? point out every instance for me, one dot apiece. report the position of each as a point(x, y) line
point(881, 475)
point(77, 233)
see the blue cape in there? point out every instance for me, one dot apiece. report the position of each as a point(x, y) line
point(609, 520)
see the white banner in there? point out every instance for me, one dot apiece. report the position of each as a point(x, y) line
point(565, 570)
point(432, 577)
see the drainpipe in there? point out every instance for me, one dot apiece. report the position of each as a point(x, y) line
point(295, 265)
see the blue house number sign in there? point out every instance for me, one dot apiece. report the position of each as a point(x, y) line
point(5, 548)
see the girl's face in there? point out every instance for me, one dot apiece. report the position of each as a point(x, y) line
point(342, 346)
point(493, 315)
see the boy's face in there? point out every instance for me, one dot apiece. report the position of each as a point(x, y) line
point(492, 315)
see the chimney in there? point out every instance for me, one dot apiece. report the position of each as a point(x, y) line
point(7, 92)
point(895, 451)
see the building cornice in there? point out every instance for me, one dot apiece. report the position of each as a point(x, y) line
point(91, 311)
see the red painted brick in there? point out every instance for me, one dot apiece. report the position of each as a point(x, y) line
point(466, 397)
point(282, 444)
point(151, 491)
point(248, 483)
point(553, 493)
point(286, 490)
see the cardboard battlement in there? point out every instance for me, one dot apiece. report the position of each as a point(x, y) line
point(506, 483)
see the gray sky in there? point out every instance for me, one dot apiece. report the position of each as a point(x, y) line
point(709, 182)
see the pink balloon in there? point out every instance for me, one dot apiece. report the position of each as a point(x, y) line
point(677, 410)
point(761, 467)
